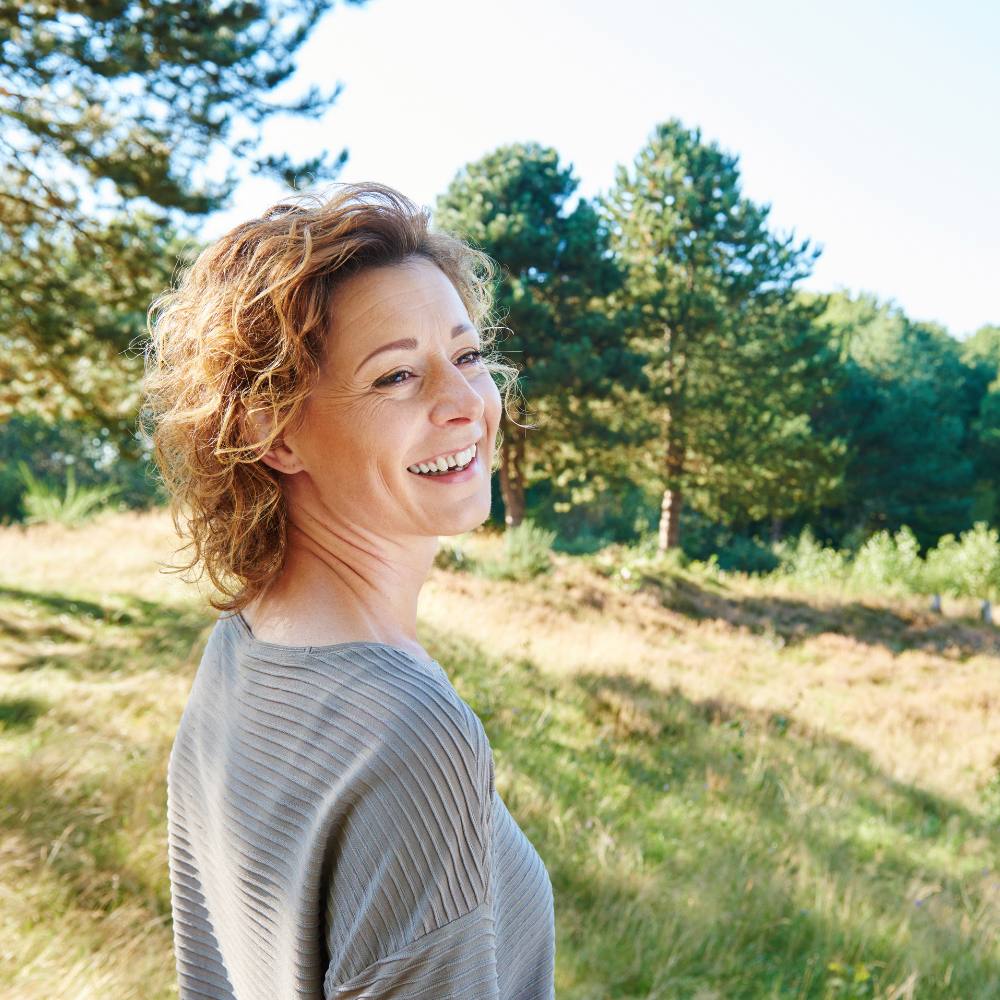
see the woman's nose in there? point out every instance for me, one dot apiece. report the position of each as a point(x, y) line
point(456, 393)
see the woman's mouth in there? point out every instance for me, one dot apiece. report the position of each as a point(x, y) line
point(451, 468)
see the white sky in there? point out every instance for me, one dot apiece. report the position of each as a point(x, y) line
point(872, 129)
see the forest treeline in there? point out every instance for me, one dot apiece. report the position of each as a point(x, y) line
point(676, 379)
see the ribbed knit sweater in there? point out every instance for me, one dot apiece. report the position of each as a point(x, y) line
point(334, 832)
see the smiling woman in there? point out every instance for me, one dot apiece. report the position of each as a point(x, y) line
point(333, 826)
point(245, 333)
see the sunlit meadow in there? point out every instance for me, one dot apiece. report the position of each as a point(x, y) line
point(740, 788)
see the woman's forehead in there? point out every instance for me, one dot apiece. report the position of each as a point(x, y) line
point(390, 297)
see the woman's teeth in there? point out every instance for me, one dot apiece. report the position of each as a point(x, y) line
point(448, 463)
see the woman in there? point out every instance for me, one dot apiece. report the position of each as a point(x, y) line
point(333, 826)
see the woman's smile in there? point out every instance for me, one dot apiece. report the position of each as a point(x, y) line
point(458, 473)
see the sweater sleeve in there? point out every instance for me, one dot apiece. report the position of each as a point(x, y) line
point(409, 909)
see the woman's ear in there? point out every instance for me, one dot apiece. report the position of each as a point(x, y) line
point(279, 456)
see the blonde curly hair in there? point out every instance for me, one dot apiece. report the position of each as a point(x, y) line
point(242, 331)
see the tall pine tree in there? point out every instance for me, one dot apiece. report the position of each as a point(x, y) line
point(736, 361)
point(108, 112)
point(557, 272)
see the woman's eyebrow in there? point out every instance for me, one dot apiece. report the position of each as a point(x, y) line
point(408, 343)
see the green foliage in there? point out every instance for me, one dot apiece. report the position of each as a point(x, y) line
point(49, 448)
point(941, 573)
point(889, 562)
point(74, 506)
point(968, 566)
point(615, 510)
point(76, 303)
point(983, 348)
point(527, 553)
point(976, 562)
point(805, 559)
point(109, 113)
point(904, 407)
point(631, 566)
point(985, 431)
point(138, 95)
point(734, 551)
point(736, 362)
point(451, 555)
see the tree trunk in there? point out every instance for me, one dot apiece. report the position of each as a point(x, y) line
point(777, 529)
point(511, 471)
point(670, 508)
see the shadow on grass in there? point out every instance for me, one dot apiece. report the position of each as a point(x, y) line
point(789, 621)
point(125, 633)
point(20, 714)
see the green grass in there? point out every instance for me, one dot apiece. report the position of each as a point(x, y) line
point(703, 842)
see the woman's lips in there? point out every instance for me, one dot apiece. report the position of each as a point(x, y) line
point(471, 470)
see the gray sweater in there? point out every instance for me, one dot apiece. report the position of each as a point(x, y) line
point(334, 832)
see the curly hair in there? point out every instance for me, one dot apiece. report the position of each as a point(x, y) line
point(241, 331)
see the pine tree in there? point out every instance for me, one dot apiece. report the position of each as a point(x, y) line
point(906, 408)
point(557, 273)
point(736, 362)
point(108, 112)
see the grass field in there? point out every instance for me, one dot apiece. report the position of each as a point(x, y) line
point(740, 789)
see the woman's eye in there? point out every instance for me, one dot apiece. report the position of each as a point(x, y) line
point(390, 379)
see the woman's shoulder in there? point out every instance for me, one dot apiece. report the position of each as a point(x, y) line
point(409, 704)
point(376, 715)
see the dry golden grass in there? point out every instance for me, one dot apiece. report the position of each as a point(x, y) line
point(920, 693)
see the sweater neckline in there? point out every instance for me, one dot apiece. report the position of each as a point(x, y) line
point(273, 647)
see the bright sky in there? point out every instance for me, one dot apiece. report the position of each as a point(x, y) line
point(870, 128)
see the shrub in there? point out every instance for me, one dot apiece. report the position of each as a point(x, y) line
point(702, 538)
point(805, 560)
point(450, 554)
point(887, 561)
point(968, 566)
point(628, 566)
point(527, 553)
point(979, 561)
point(941, 575)
point(49, 448)
point(74, 506)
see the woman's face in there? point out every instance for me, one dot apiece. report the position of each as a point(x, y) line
point(401, 384)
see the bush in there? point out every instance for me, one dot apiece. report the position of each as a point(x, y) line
point(968, 566)
point(890, 562)
point(979, 561)
point(629, 565)
point(806, 561)
point(50, 448)
point(702, 539)
point(618, 513)
point(527, 553)
point(75, 505)
point(941, 574)
point(451, 555)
